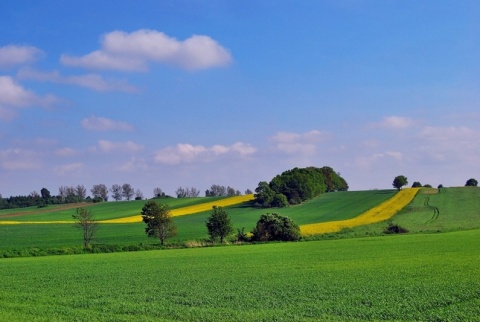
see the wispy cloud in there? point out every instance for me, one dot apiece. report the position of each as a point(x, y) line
point(187, 153)
point(71, 168)
point(134, 51)
point(396, 122)
point(299, 143)
point(94, 123)
point(13, 96)
point(91, 81)
point(106, 146)
point(13, 55)
point(19, 159)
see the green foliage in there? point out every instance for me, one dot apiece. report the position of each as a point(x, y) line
point(471, 183)
point(85, 221)
point(416, 184)
point(272, 226)
point(399, 182)
point(219, 224)
point(395, 229)
point(159, 221)
point(298, 185)
point(420, 277)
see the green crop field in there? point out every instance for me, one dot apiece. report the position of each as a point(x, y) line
point(330, 206)
point(419, 277)
point(430, 274)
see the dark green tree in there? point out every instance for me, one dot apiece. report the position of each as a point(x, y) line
point(416, 184)
point(219, 224)
point(471, 183)
point(272, 226)
point(399, 182)
point(264, 195)
point(85, 220)
point(45, 193)
point(159, 221)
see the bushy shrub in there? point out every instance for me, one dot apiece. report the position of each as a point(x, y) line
point(395, 229)
point(272, 226)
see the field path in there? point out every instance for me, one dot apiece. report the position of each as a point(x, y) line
point(382, 212)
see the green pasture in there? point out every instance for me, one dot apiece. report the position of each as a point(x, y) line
point(330, 206)
point(420, 277)
point(431, 211)
point(102, 210)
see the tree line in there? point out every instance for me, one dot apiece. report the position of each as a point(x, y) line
point(101, 193)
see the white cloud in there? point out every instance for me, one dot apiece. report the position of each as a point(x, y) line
point(19, 159)
point(376, 158)
point(133, 164)
point(13, 95)
point(133, 51)
point(124, 147)
point(17, 55)
point(396, 122)
point(65, 152)
point(90, 81)
point(450, 144)
point(187, 153)
point(71, 168)
point(94, 123)
point(299, 144)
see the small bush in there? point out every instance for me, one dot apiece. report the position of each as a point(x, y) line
point(395, 229)
point(275, 227)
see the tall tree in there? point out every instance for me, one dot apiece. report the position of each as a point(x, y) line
point(45, 193)
point(138, 194)
point(85, 220)
point(399, 182)
point(127, 191)
point(159, 221)
point(219, 224)
point(81, 192)
point(116, 191)
point(100, 191)
point(158, 193)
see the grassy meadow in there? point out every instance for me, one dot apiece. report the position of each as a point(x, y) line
point(419, 277)
point(357, 274)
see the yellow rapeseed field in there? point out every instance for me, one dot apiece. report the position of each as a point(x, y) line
point(187, 210)
point(382, 212)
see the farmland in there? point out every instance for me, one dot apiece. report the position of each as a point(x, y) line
point(413, 277)
point(430, 274)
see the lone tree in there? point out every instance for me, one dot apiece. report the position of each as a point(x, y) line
point(159, 221)
point(471, 183)
point(399, 182)
point(219, 224)
point(275, 227)
point(85, 220)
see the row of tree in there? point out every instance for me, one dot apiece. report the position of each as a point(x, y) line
point(297, 185)
point(401, 181)
point(270, 226)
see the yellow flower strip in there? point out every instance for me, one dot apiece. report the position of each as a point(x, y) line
point(382, 212)
point(187, 210)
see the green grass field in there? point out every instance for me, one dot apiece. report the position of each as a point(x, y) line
point(431, 274)
point(433, 277)
point(330, 206)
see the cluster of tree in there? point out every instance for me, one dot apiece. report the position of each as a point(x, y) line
point(187, 192)
point(269, 227)
point(297, 185)
point(67, 194)
point(221, 191)
point(125, 191)
point(471, 182)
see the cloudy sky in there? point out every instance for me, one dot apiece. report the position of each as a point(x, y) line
point(194, 93)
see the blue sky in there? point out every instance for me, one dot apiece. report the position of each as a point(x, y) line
point(194, 93)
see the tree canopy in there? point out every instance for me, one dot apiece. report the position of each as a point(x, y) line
point(471, 183)
point(219, 224)
point(159, 221)
point(297, 185)
point(272, 226)
point(399, 182)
